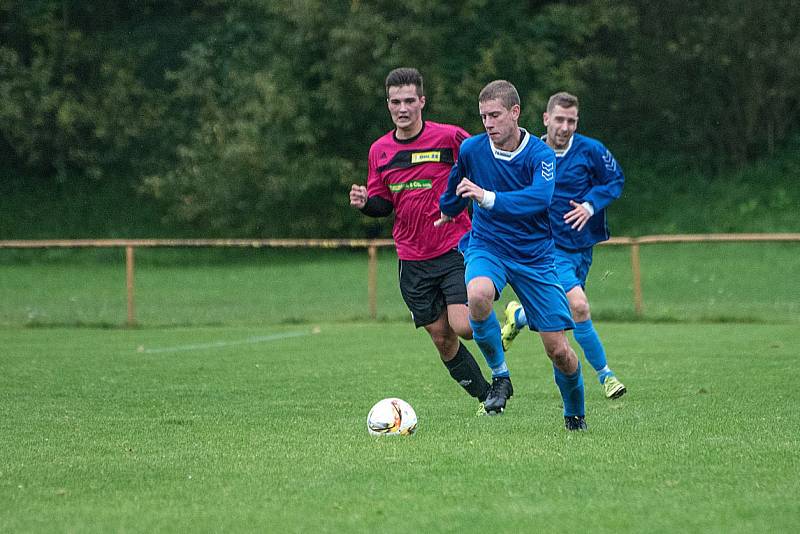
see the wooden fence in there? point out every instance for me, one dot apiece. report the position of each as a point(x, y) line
point(371, 245)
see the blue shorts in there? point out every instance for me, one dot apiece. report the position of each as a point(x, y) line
point(572, 267)
point(536, 286)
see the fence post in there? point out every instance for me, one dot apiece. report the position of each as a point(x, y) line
point(129, 283)
point(373, 282)
point(637, 278)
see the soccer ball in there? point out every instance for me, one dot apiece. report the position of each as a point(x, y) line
point(392, 417)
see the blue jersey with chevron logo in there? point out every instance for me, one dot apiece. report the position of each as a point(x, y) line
point(586, 171)
point(517, 226)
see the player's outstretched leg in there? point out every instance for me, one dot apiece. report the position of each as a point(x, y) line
point(572, 393)
point(511, 326)
point(575, 422)
point(466, 371)
point(595, 353)
point(486, 334)
point(500, 391)
point(568, 377)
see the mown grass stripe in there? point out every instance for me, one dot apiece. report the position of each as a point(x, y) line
point(217, 344)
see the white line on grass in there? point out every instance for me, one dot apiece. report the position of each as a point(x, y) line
point(217, 344)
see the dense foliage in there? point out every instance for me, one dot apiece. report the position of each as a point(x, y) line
point(252, 117)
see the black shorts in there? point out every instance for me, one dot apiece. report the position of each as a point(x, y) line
point(428, 286)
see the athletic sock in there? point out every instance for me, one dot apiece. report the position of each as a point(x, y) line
point(486, 334)
point(571, 388)
point(593, 350)
point(519, 318)
point(466, 371)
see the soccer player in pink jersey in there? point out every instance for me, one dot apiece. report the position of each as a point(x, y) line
point(408, 170)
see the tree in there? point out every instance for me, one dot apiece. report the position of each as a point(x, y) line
point(716, 82)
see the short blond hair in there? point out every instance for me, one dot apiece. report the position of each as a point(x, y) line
point(501, 90)
point(563, 99)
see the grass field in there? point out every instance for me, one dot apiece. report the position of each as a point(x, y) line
point(239, 404)
point(262, 429)
point(696, 282)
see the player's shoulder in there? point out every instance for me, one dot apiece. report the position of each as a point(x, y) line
point(442, 126)
point(383, 141)
point(446, 130)
point(475, 143)
point(589, 144)
point(538, 148)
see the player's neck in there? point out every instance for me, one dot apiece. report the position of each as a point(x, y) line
point(559, 149)
point(513, 142)
point(413, 130)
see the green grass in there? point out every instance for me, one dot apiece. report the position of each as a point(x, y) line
point(742, 282)
point(747, 282)
point(133, 431)
point(200, 287)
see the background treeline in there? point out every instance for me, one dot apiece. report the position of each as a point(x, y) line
point(253, 117)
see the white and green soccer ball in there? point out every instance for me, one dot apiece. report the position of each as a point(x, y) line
point(392, 417)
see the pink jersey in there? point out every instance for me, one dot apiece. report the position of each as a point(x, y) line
point(412, 175)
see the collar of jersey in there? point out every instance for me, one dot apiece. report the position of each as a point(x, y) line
point(508, 156)
point(410, 139)
point(561, 152)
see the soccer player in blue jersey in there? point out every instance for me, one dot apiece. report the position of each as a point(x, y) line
point(588, 179)
point(510, 174)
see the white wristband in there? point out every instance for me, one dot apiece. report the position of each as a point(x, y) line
point(488, 200)
point(588, 207)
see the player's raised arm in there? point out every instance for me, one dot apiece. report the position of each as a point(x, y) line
point(358, 196)
point(371, 206)
point(467, 189)
point(530, 200)
point(579, 215)
point(443, 219)
point(608, 176)
point(450, 203)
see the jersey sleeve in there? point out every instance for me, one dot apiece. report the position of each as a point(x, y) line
point(459, 135)
point(375, 184)
point(608, 178)
point(449, 203)
point(534, 198)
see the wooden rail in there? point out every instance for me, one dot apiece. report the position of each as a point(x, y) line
point(371, 245)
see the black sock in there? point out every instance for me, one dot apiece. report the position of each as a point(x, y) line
point(466, 371)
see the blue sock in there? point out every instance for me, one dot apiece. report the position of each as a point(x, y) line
point(571, 388)
point(487, 335)
point(519, 318)
point(593, 350)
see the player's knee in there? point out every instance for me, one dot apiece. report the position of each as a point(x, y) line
point(464, 331)
point(559, 352)
point(480, 297)
point(479, 308)
point(458, 318)
point(580, 309)
point(578, 304)
point(446, 342)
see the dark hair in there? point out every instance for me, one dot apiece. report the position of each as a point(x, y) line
point(405, 76)
point(563, 99)
point(500, 90)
